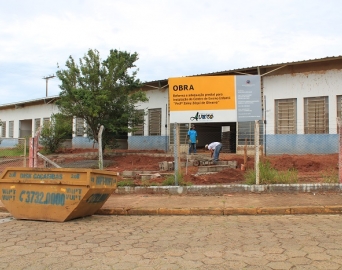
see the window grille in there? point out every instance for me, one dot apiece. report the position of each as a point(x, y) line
point(339, 106)
point(139, 128)
point(79, 126)
point(10, 129)
point(316, 115)
point(183, 133)
point(3, 129)
point(154, 122)
point(286, 116)
point(339, 110)
point(36, 124)
point(246, 133)
point(46, 121)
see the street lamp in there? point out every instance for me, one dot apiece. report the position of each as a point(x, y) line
point(47, 79)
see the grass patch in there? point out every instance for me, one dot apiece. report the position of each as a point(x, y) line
point(330, 177)
point(170, 181)
point(269, 175)
point(126, 183)
point(13, 152)
point(147, 183)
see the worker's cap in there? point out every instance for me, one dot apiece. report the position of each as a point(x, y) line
point(206, 146)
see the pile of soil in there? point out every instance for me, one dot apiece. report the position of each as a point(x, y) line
point(310, 168)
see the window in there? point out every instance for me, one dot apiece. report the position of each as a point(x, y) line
point(46, 120)
point(183, 133)
point(154, 121)
point(316, 115)
point(339, 106)
point(3, 129)
point(79, 127)
point(10, 129)
point(246, 133)
point(339, 110)
point(286, 116)
point(36, 124)
point(139, 128)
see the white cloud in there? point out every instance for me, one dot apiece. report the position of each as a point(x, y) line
point(172, 37)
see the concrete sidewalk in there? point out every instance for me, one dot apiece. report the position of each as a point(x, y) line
point(228, 204)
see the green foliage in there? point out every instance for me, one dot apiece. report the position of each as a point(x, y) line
point(125, 183)
point(20, 146)
point(55, 132)
point(170, 181)
point(18, 150)
point(102, 92)
point(269, 175)
point(13, 152)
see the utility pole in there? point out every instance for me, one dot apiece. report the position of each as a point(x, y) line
point(47, 79)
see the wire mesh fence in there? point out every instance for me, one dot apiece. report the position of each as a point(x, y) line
point(298, 150)
point(235, 137)
point(13, 153)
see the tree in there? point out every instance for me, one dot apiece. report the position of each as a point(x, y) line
point(0, 126)
point(102, 92)
point(55, 132)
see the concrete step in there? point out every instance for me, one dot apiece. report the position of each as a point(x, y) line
point(144, 175)
point(133, 174)
point(219, 167)
point(148, 176)
point(198, 157)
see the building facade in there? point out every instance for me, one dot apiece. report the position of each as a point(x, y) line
point(300, 104)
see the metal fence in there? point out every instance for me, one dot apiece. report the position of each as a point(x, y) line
point(235, 141)
point(13, 153)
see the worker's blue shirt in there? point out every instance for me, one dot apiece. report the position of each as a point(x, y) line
point(192, 135)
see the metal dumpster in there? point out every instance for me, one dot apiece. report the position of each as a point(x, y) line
point(55, 194)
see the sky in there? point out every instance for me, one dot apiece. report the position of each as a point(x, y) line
point(173, 38)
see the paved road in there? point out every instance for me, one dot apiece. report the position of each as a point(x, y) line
point(174, 242)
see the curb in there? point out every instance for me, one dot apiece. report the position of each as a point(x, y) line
point(196, 211)
point(295, 210)
point(233, 188)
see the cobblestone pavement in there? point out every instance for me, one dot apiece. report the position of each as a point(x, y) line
point(174, 242)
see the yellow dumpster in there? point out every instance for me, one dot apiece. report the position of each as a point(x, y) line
point(55, 194)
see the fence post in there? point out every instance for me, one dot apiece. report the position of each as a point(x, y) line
point(99, 137)
point(31, 144)
point(24, 153)
point(339, 121)
point(35, 150)
point(256, 142)
point(176, 151)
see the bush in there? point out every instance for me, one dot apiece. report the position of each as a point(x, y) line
point(55, 132)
